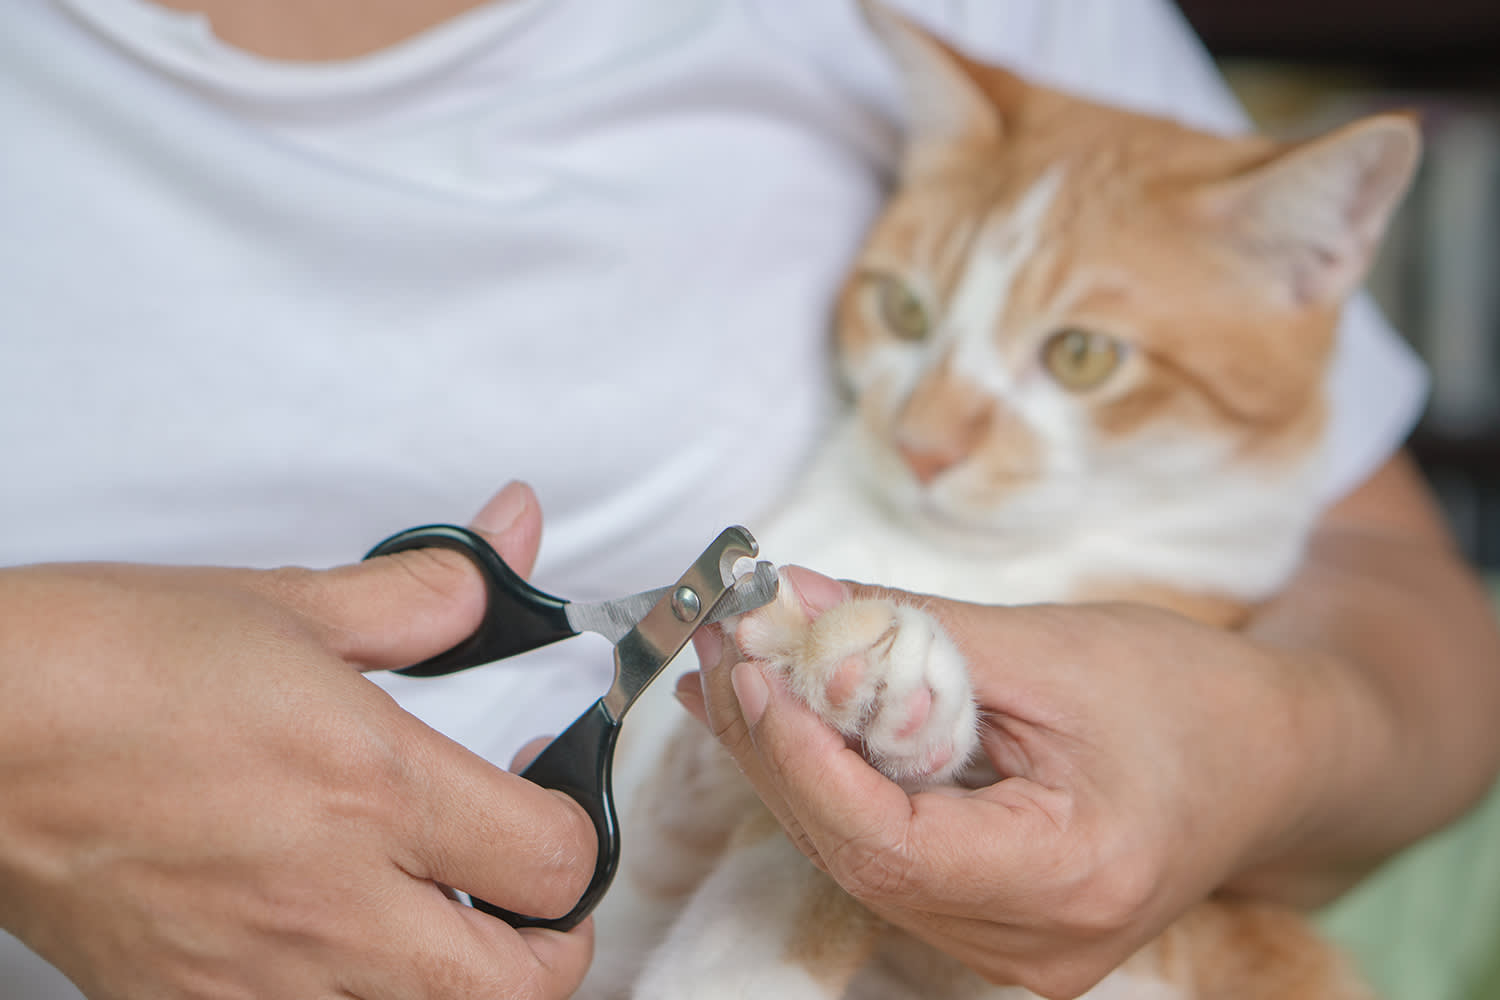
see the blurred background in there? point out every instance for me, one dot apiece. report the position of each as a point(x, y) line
point(1428, 925)
point(1303, 65)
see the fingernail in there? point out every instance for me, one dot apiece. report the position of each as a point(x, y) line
point(689, 694)
point(751, 691)
point(708, 643)
point(689, 686)
point(504, 509)
point(817, 592)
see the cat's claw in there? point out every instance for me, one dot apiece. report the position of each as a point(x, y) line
point(882, 673)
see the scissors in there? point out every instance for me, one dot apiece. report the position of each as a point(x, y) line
point(647, 629)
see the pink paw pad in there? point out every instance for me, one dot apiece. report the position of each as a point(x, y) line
point(846, 681)
point(918, 709)
point(938, 760)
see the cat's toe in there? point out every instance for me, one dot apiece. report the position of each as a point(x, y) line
point(922, 727)
point(825, 661)
point(883, 673)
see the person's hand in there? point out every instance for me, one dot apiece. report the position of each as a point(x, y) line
point(1143, 758)
point(203, 797)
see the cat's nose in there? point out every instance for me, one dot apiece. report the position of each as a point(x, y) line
point(928, 463)
point(941, 424)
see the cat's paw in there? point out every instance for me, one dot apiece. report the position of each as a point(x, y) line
point(883, 673)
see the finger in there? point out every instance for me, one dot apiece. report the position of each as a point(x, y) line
point(877, 841)
point(562, 960)
point(719, 700)
point(494, 834)
point(427, 946)
point(814, 593)
point(1013, 697)
point(780, 743)
point(708, 647)
point(512, 522)
point(689, 693)
point(529, 964)
point(403, 608)
point(528, 753)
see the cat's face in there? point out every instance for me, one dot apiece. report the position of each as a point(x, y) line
point(1067, 310)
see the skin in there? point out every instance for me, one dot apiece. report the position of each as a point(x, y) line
point(1351, 716)
point(1149, 761)
point(133, 865)
point(320, 30)
point(203, 797)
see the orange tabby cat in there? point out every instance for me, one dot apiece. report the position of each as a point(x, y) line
point(1086, 351)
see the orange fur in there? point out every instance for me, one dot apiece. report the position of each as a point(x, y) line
point(1248, 951)
point(1180, 246)
point(835, 935)
point(1138, 243)
point(1126, 198)
point(694, 805)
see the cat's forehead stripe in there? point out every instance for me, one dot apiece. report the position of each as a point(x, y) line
point(950, 253)
point(928, 245)
point(1006, 239)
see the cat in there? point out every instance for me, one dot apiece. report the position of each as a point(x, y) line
point(1086, 352)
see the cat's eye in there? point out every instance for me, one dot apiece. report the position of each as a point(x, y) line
point(900, 309)
point(1081, 359)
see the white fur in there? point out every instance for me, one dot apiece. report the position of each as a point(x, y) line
point(1100, 509)
point(879, 671)
point(1171, 507)
point(1232, 534)
point(1006, 242)
point(1117, 512)
point(731, 939)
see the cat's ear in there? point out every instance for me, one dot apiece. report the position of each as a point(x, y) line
point(946, 105)
point(1314, 214)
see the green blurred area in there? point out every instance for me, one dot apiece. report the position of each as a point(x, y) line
point(1427, 925)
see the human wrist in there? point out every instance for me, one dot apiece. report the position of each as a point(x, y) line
point(1341, 736)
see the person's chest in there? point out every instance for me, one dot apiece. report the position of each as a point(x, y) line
point(262, 341)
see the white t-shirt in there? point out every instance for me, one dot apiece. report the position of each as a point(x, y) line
point(257, 312)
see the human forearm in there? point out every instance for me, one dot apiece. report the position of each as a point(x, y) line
point(201, 794)
point(1146, 758)
point(1406, 643)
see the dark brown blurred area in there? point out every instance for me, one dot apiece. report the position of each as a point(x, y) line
point(1301, 66)
point(1426, 33)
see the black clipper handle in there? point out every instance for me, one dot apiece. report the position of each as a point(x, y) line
point(579, 763)
point(517, 616)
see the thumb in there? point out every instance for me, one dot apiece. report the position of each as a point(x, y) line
point(399, 609)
